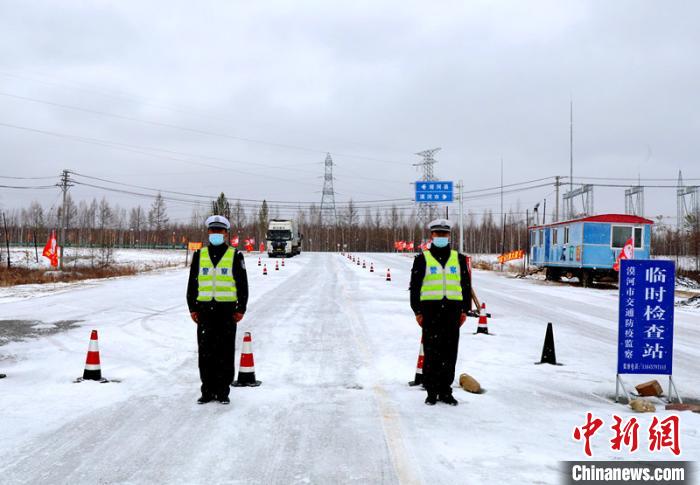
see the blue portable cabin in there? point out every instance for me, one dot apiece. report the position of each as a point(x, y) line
point(587, 247)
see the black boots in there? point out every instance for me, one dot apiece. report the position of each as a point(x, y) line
point(205, 398)
point(448, 399)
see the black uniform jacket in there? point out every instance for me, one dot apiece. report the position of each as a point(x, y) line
point(418, 272)
point(239, 274)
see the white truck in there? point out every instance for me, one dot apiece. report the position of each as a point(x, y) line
point(283, 238)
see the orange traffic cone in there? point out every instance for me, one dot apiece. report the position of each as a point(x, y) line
point(93, 370)
point(388, 274)
point(418, 380)
point(246, 371)
point(264, 270)
point(371, 267)
point(277, 265)
point(483, 325)
point(259, 260)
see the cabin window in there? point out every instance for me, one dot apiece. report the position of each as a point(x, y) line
point(638, 237)
point(555, 236)
point(566, 235)
point(541, 237)
point(620, 235)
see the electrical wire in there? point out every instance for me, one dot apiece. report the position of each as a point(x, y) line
point(194, 130)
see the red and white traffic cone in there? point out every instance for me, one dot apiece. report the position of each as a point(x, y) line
point(282, 261)
point(93, 370)
point(388, 274)
point(418, 380)
point(277, 265)
point(483, 325)
point(246, 371)
point(371, 267)
point(358, 261)
point(259, 260)
point(364, 264)
point(264, 270)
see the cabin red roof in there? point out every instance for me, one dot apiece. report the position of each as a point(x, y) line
point(611, 218)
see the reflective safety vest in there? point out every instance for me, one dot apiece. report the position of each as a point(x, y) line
point(216, 282)
point(441, 282)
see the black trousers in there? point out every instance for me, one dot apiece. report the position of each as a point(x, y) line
point(216, 341)
point(440, 345)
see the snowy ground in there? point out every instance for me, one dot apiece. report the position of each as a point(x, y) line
point(140, 258)
point(334, 346)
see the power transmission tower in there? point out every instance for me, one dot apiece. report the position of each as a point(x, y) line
point(427, 211)
point(64, 184)
point(586, 194)
point(687, 200)
point(328, 214)
point(634, 201)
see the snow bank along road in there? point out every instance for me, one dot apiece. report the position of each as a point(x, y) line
point(334, 346)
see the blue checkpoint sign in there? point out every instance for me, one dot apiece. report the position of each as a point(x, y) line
point(434, 191)
point(645, 332)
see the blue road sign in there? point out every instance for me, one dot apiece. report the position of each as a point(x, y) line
point(645, 335)
point(434, 191)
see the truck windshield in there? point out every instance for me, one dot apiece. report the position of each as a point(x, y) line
point(279, 235)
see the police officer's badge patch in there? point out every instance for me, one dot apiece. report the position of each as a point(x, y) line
point(453, 269)
point(205, 271)
point(224, 271)
point(433, 270)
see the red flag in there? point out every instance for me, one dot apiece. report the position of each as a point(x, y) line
point(410, 246)
point(234, 242)
point(51, 249)
point(626, 253)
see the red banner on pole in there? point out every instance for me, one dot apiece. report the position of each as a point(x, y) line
point(626, 253)
point(51, 249)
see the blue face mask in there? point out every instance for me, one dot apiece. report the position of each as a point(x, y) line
point(216, 239)
point(441, 242)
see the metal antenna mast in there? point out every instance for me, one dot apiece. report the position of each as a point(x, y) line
point(328, 214)
point(571, 145)
point(426, 211)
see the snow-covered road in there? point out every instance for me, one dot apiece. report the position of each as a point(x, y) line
point(334, 346)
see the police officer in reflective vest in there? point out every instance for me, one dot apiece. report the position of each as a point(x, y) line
point(217, 294)
point(440, 298)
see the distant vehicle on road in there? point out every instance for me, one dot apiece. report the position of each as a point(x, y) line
point(283, 238)
point(587, 247)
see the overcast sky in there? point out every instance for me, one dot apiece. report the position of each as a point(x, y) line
point(246, 86)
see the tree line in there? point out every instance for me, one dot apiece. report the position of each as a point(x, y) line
point(99, 223)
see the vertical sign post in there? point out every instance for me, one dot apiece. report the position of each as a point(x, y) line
point(645, 332)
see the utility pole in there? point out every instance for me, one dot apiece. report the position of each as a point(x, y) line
point(65, 183)
point(503, 217)
point(460, 187)
point(556, 206)
point(7, 239)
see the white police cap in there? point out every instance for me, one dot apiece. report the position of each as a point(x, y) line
point(440, 225)
point(218, 222)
